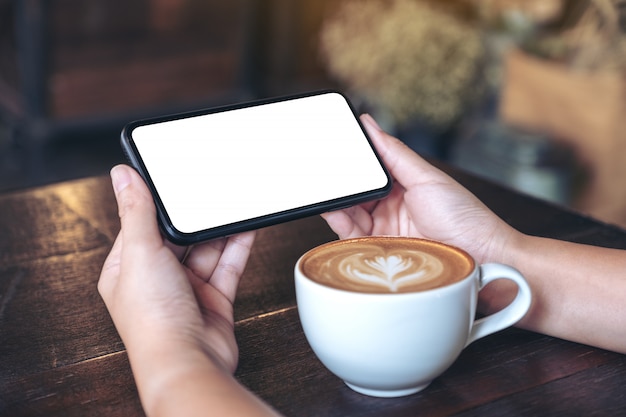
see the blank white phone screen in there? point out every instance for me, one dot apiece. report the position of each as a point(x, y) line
point(221, 168)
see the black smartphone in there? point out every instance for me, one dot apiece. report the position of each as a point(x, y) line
point(220, 171)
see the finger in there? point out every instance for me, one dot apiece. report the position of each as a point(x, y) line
point(203, 258)
point(221, 262)
point(350, 222)
point(406, 166)
point(232, 264)
point(179, 251)
point(136, 209)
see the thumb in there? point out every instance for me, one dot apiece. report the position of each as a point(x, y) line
point(404, 164)
point(135, 207)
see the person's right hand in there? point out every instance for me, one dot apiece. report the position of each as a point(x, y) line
point(578, 290)
point(425, 202)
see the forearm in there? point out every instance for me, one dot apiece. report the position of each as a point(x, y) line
point(188, 383)
point(203, 392)
point(578, 290)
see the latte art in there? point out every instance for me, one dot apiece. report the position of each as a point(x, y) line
point(391, 271)
point(386, 264)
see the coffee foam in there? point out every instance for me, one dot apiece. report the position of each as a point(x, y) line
point(386, 264)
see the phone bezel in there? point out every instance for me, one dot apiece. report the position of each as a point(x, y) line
point(183, 238)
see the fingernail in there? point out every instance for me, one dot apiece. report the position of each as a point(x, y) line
point(369, 120)
point(120, 178)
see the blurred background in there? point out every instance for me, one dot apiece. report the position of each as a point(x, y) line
point(530, 94)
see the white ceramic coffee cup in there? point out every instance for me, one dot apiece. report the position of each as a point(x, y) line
point(395, 344)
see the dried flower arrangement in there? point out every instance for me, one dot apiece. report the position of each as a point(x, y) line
point(414, 58)
point(422, 59)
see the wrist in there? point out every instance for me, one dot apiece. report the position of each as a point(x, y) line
point(190, 382)
point(159, 367)
point(510, 250)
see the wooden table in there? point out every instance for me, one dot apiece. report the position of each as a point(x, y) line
point(61, 356)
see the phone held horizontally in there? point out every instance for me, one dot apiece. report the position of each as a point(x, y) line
point(220, 171)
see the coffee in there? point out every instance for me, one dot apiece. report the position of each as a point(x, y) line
point(384, 264)
point(384, 335)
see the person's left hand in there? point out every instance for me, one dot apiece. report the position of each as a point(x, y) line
point(161, 307)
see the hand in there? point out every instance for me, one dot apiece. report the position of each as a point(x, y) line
point(424, 202)
point(162, 309)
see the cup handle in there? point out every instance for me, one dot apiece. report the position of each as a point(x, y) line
point(509, 315)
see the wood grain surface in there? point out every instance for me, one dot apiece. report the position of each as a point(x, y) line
point(60, 354)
